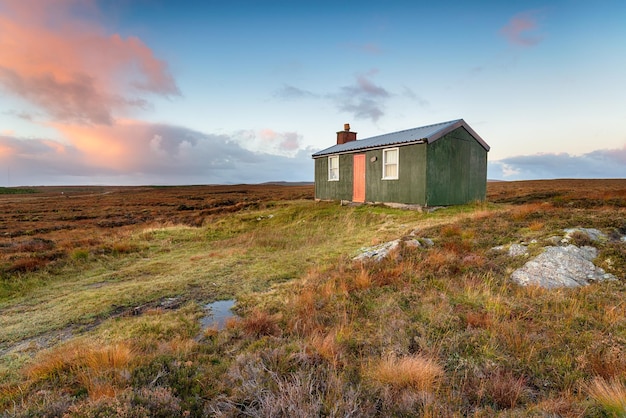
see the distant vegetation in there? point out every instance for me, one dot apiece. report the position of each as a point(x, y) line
point(101, 297)
point(16, 190)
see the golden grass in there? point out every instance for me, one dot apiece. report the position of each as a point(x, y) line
point(363, 280)
point(115, 356)
point(417, 372)
point(101, 370)
point(610, 395)
point(327, 347)
point(51, 363)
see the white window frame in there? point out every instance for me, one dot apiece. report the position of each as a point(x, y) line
point(396, 163)
point(335, 176)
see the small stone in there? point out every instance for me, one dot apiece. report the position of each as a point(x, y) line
point(554, 240)
point(428, 242)
point(413, 243)
point(517, 250)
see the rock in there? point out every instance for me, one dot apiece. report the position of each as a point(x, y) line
point(569, 266)
point(377, 252)
point(517, 250)
point(428, 242)
point(554, 240)
point(412, 243)
point(591, 233)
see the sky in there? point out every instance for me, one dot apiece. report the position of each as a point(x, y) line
point(136, 92)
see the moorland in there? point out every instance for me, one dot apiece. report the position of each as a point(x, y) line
point(104, 293)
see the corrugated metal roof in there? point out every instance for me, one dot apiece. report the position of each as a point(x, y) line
point(426, 134)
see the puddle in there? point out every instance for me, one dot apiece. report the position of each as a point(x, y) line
point(217, 314)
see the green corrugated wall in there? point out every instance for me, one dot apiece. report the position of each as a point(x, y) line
point(411, 184)
point(333, 190)
point(457, 170)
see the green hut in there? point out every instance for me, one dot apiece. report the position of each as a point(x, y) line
point(434, 165)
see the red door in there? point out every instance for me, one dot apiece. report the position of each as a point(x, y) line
point(358, 179)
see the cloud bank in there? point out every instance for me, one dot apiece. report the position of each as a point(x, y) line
point(157, 154)
point(607, 163)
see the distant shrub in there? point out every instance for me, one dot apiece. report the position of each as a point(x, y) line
point(80, 254)
point(16, 190)
point(124, 248)
point(27, 264)
point(34, 245)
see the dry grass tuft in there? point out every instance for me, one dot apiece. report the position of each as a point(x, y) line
point(52, 363)
point(327, 347)
point(478, 319)
point(611, 395)
point(116, 356)
point(605, 360)
point(363, 280)
point(523, 212)
point(504, 389)
point(565, 404)
point(182, 347)
point(416, 372)
point(260, 323)
point(101, 370)
point(450, 231)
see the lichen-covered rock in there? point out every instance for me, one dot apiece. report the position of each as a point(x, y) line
point(591, 233)
point(569, 266)
point(377, 252)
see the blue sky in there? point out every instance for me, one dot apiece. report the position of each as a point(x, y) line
point(163, 92)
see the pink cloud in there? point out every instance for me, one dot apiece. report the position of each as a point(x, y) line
point(290, 142)
point(70, 68)
point(270, 141)
point(268, 135)
point(519, 30)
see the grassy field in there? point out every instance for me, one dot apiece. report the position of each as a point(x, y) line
point(102, 291)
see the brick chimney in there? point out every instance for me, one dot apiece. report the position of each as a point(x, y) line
point(345, 135)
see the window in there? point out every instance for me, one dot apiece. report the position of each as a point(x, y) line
point(390, 164)
point(333, 168)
